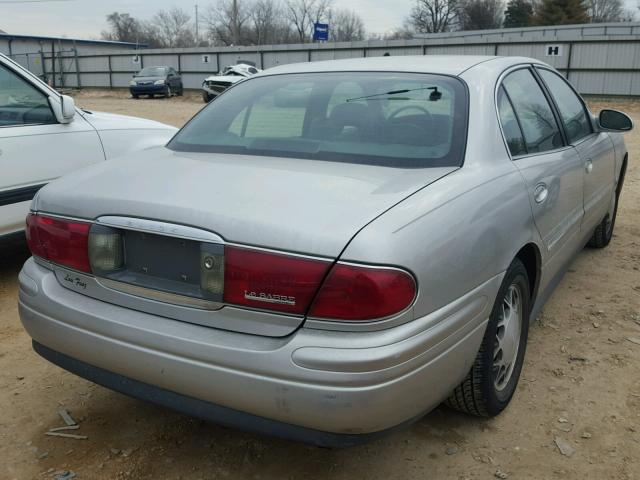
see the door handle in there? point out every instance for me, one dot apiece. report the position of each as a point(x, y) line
point(588, 166)
point(540, 193)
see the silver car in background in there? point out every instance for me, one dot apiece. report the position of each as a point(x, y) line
point(329, 250)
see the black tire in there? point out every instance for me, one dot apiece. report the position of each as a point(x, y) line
point(135, 96)
point(167, 92)
point(603, 233)
point(151, 95)
point(478, 393)
point(206, 97)
point(180, 91)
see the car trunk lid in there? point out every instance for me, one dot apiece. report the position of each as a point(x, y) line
point(292, 206)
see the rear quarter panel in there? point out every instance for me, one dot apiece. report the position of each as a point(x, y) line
point(467, 227)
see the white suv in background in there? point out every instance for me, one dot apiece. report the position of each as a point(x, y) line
point(43, 136)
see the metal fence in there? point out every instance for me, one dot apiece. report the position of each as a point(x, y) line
point(599, 59)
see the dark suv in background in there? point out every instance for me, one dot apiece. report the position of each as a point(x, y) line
point(156, 81)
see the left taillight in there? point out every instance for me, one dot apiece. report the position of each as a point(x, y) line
point(60, 241)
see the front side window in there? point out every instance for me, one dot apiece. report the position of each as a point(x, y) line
point(510, 125)
point(539, 126)
point(391, 119)
point(21, 103)
point(572, 110)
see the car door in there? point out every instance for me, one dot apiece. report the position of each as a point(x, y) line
point(551, 169)
point(595, 148)
point(34, 147)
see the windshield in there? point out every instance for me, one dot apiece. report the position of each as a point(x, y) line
point(392, 119)
point(152, 72)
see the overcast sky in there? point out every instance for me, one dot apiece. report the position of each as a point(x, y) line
point(86, 18)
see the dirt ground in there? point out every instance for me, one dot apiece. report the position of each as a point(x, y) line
point(580, 386)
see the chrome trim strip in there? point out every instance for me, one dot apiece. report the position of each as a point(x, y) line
point(279, 252)
point(61, 217)
point(160, 228)
point(158, 295)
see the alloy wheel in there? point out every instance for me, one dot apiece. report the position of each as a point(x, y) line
point(507, 339)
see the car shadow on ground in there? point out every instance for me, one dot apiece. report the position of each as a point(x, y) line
point(13, 254)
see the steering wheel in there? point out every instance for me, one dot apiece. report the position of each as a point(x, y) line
point(412, 130)
point(409, 107)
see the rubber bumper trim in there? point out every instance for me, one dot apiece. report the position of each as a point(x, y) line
point(208, 411)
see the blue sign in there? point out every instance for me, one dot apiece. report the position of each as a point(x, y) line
point(321, 32)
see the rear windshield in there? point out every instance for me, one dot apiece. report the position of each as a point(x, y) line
point(152, 72)
point(393, 119)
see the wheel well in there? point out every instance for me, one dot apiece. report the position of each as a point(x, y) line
point(623, 171)
point(529, 255)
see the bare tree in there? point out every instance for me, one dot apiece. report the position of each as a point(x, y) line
point(601, 11)
point(173, 28)
point(226, 22)
point(433, 16)
point(481, 14)
point(123, 28)
point(302, 14)
point(268, 23)
point(346, 26)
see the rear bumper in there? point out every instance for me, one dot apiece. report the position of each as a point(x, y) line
point(200, 409)
point(291, 386)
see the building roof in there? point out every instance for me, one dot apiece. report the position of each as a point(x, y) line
point(9, 36)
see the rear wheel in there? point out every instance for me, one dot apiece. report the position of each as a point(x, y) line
point(488, 387)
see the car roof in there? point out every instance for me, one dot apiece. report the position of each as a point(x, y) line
point(438, 64)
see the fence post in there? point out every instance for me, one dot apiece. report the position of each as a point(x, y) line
point(61, 62)
point(110, 72)
point(53, 63)
point(569, 59)
point(44, 65)
point(75, 54)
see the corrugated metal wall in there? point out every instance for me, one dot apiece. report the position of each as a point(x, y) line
point(602, 59)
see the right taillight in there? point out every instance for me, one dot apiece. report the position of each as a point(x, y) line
point(360, 293)
point(270, 280)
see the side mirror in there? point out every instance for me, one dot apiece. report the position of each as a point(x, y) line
point(64, 108)
point(614, 121)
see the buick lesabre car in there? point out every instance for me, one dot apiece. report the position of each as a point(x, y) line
point(329, 250)
point(43, 136)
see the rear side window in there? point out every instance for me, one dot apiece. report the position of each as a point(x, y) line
point(21, 103)
point(384, 118)
point(510, 125)
point(572, 110)
point(539, 126)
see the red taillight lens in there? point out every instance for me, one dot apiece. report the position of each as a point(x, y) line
point(354, 292)
point(271, 281)
point(60, 241)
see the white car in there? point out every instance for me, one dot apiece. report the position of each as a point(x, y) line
point(43, 136)
point(216, 84)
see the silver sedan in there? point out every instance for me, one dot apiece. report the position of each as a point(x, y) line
point(328, 250)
